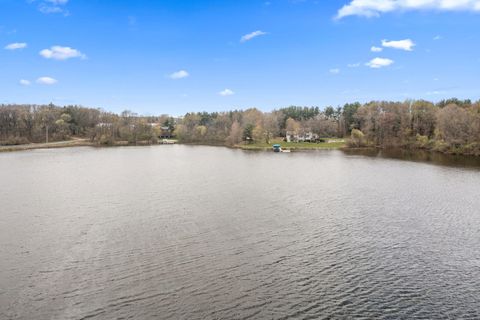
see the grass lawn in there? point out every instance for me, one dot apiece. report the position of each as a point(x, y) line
point(330, 144)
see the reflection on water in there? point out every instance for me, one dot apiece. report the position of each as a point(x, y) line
point(179, 232)
point(419, 156)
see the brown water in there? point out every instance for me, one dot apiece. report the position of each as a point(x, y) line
point(178, 232)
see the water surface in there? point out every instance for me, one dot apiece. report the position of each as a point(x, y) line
point(179, 232)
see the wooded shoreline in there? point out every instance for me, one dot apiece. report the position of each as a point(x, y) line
point(449, 126)
point(255, 148)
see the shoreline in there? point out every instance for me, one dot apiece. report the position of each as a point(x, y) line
point(253, 147)
point(50, 145)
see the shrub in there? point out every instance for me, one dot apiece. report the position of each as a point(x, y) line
point(357, 138)
point(106, 140)
point(14, 141)
point(422, 141)
point(440, 146)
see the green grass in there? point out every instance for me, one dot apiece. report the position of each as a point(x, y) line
point(262, 145)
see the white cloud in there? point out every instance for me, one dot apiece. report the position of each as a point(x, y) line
point(406, 44)
point(376, 49)
point(378, 63)
point(52, 6)
point(61, 53)
point(24, 82)
point(179, 75)
point(334, 71)
point(439, 37)
point(46, 80)
point(226, 92)
point(43, 8)
point(353, 65)
point(57, 2)
point(16, 46)
point(252, 35)
point(374, 8)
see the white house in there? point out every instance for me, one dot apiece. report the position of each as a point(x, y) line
point(306, 136)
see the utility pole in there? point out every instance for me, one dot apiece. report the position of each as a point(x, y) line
point(46, 133)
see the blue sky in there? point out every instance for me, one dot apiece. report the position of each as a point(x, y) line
point(171, 56)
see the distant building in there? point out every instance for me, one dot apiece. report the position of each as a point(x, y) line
point(306, 136)
point(166, 133)
point(104, 125)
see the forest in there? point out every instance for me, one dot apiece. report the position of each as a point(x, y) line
point(449, 126)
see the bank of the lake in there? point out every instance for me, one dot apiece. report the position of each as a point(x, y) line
point(413, 152)
point(328, 144)
point(79, 142)
point(49, 145)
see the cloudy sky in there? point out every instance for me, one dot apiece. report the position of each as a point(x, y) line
point(172, 56)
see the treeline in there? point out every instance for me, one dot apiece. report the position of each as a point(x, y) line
point(252, 125)
point(448, 126)
point(22, 124)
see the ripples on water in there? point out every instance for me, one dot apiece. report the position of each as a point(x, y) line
point(209, 233)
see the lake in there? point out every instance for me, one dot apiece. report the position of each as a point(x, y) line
point(185, 232)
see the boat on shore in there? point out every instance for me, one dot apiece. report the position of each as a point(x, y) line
point(278, 148)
